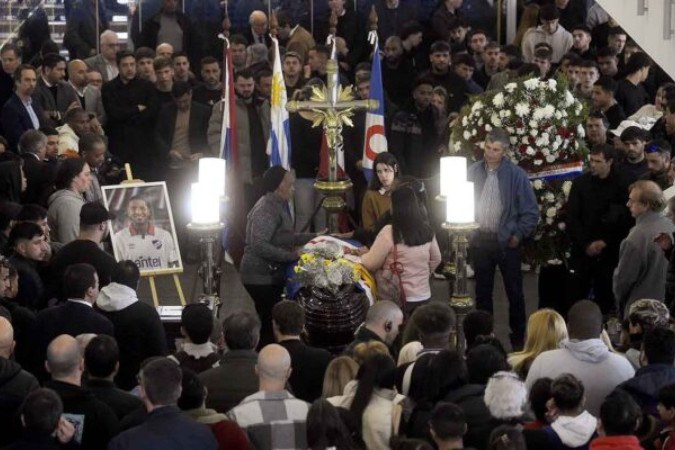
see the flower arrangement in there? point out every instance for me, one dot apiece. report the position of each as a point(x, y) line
point(324, 267)
point(545, 124)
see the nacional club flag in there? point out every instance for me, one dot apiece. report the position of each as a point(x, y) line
point(228, 132)
point(279, 144)
point(375, 141)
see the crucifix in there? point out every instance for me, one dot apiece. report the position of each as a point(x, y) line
point(332, 106)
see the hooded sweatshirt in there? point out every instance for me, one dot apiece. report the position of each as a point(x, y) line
point(575, 431)
point(63, 215)
point(138, 330)
point(591, 362)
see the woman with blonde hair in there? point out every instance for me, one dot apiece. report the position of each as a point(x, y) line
point(339, 372)
point(545, 329)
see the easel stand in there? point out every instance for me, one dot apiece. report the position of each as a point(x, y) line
point(151, 275)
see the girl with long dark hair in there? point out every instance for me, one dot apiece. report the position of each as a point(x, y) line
point(377, 199)
point(407, 248)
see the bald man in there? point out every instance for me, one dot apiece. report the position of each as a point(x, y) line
point(257, 31)
point(105, 62)
point(89, 96)
point(382, 324)
point(272, 410)
point(642, 268)
point(95, 423)
point(15, 384)
point(165, 50)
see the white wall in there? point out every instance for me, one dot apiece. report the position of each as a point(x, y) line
point(646, 30)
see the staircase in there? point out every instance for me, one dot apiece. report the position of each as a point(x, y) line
point(9, 22)
point(651, 24)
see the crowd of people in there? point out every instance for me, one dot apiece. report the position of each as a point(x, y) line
point(85, 364)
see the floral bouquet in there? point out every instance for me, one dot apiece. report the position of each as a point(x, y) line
point(323, 266)
point(545, 122)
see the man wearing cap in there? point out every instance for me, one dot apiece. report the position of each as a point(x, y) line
point(551, 32)
point(271, 244)
point(142, 242)
point(85, 249)
point(657, 155)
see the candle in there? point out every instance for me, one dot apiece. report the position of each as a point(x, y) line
point(460, 203)
point(205, 205)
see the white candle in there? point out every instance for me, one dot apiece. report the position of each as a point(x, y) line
point(453, 171)
point(205, 205)
point(212, 174)
point(460, 203)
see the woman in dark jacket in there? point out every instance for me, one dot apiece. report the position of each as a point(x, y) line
point(270, 246)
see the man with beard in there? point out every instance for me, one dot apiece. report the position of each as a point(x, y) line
point(441, 75)
point(253, 129)
point(20, 113)
point(144, 243)
point(89, 96)
point(85, 249)
point(634, 164)
point(131, 105)
point(658, 156)
point(54, 95)
point(77, 123)
point(490, 66)
point(292, 69)
point(597, 222)
point(211, 90)
point(398, 73)
point(414, 137)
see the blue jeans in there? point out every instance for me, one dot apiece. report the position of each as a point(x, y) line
point(487, 255)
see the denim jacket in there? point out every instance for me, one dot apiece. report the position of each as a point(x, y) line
point(520, 213)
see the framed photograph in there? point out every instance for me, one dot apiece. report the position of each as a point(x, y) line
point(142, 229)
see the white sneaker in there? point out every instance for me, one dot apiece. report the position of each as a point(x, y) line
point(469, 271)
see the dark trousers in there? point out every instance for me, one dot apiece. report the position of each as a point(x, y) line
point(265, 296)
point(588, 273)
point(487, 256)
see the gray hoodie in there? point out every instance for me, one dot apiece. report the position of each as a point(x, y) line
point(115, 297)
point(63, 215)
point(591, 362)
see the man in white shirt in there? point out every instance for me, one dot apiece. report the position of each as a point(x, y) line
point(142, 242)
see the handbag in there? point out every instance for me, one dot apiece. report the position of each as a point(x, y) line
point(389, 283)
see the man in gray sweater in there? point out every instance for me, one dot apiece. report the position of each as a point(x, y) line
point(585, 356)
point(642, 268)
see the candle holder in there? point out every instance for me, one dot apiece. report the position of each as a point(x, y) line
point(460, 300)
point(209, 269)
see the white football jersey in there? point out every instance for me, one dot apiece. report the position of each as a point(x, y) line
point(151, 251)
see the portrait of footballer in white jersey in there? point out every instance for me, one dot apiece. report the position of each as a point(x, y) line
point(143, 230)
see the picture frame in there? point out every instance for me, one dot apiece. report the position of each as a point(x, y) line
point(142, 227)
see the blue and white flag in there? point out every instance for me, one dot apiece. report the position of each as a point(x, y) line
point(279, 144)
point(375, 141)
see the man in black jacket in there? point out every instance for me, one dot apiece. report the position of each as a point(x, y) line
point(74, 317)
point(414, 137)
point(131, 107)
point(597, 221)
point(95, 423)
point(39, 174)
point(15, 384)
point(235, 378)
point(101, 360)
point(308, 364)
